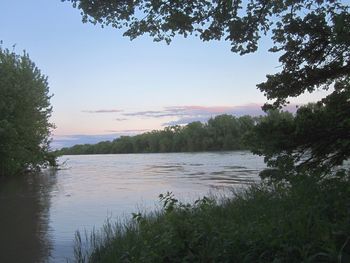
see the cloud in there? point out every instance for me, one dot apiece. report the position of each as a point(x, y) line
point(153, 114)
point(198, 111)
point(121, 119)
point(127, 131)
point(102, 111)
point(193, 112)
point(253, 109)
point(187, 114)
point(185, 121)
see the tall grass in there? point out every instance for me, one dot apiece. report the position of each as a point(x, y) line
point(307, 221)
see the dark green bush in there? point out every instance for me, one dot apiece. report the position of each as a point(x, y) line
point(308, 221)
point(24, 115)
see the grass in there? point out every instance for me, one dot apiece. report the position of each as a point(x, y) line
point(307, 221)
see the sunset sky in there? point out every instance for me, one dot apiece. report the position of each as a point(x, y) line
point(104, 85)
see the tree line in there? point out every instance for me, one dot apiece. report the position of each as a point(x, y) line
point(223, 132)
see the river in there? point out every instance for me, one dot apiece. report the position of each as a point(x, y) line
point(40, 213)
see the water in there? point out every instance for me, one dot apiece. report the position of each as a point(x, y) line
point(40, 214)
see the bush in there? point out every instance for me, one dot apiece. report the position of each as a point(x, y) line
point(24, 115)
point(304, 222)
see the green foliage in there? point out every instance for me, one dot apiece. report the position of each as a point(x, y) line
point(224, 132)
point(316, 138)
point(24, 115)
point(264, 223)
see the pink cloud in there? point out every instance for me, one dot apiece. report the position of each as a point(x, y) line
point(102, 111)
point(192, 111)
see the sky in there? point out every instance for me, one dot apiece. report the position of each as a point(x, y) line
point(105, 85)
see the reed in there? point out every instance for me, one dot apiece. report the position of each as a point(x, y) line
point(307, 221)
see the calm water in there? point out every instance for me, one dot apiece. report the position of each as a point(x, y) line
point(40, 214)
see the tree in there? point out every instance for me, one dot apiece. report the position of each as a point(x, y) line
point(194, 133)
point(24, 115)
point(225, 130)
point(316, 138)
point(312, 38)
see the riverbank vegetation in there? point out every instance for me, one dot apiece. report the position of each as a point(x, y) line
point(306, 220)
point(224, 132)
point(24, 115)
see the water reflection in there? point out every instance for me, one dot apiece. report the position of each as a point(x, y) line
point(24, 218)
point(39, 214)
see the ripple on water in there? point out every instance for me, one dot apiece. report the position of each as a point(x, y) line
point(91, 188)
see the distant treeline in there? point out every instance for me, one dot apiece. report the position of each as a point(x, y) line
point(222, 133)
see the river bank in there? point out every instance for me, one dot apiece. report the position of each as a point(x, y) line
point(307, 221)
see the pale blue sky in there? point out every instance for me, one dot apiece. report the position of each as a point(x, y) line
point(92, 69)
